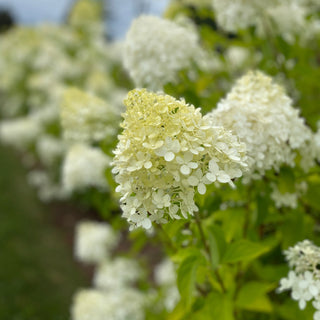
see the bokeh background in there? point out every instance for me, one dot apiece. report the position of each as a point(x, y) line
point(38, 274)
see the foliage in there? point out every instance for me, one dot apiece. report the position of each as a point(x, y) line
point(222, 228)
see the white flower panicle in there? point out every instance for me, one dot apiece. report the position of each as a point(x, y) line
point(20, 133)
point(304, 256)
point(49, 149)
point(90, 304)
point(94, 241)
point(84, 167)
point(166, 152)
point(261, 114)
point(288, 199)
point(285, 17)
point(234, 15)
point(156, 49)
point(289, 16)
point(166, 278)
point(86, 118)
point(116, 273)
point(47, 188)
point(304, 277)
point(114, 296)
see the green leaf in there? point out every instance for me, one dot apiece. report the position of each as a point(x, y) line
point(312, 194)
point(262, 208)
point(232, 222)
point(184, 253)
point(244, 250)
point(187, 273)
point(286, 180)
point(297, 226)
point(252, 296)
point(217, 243)
point(217, 306)
point(214, 251)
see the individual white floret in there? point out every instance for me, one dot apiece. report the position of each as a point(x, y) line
point(94, 241)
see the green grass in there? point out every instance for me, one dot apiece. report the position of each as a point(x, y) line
point(38, 275)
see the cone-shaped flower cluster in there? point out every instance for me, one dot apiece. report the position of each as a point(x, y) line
point(304, 277)
point(86, 118)
point(262, 115)
point(165, 153)
point(83, 168)
point(156, 49)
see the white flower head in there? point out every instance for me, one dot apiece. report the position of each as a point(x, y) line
point(86, 118)
point(94, 241)
point(84, 167)
point(49, 149)
point(234, 15)
point(20, 132)
point(262, 115)
point(116, 273)
point(165, 277)
point(90, 304)
point(165, 153)
point(156, 49)
point(304, 277)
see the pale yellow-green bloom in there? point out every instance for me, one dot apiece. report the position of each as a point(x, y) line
point(261, 113)
point(166, 152)
point(86, 118)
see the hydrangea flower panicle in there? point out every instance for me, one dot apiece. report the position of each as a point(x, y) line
point(262, 115)
point(165, 154)
point(304, 277)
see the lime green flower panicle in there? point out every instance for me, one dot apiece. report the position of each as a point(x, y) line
point(166, 152)
point(86, 118)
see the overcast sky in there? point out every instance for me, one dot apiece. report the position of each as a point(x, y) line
point(122, 11)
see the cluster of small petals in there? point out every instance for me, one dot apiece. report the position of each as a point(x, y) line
point(19, 132)
point(84, 167)
point(91, 304)
point(49, 149)
point(156, 49)
point(166, 152)
point(313, 148)
point(116, 273)
point(47, 188)
point(86, 118)
point(94, 241)
point(303, 256)
point(234, 15)
point(261, 114)
point(165, 278)
point(113, 296)
point(288, 199)
point(304, 278)
point(289, 17)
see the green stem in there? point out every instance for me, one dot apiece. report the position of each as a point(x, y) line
point(203, 238)
point(166, 238)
